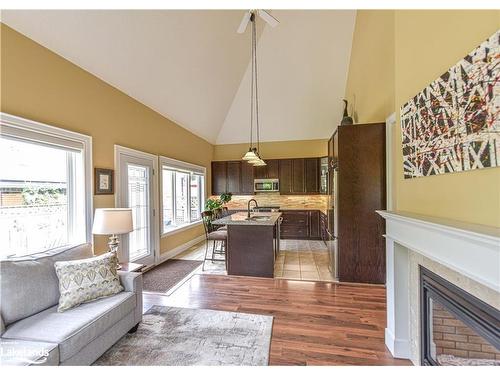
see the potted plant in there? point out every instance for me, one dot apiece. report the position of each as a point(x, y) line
point(213, 204)
point(225, 198)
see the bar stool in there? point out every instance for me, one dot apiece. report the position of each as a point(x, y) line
point(215, 236)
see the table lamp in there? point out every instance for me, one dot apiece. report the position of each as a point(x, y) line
point(113, 221)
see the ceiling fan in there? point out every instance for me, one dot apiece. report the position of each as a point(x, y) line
point(270, 20)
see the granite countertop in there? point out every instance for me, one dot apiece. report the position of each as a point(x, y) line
point(284, 208)
point(240, 218)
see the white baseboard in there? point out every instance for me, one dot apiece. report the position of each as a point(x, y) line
point(179, 249)
point(398, 348)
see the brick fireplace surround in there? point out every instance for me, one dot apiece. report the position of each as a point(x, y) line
point(451, 336)
point(466, 255)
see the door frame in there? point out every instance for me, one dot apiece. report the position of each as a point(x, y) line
point(390, 123)
point(120, 151)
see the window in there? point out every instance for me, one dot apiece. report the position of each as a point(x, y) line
point(183, 194)
point(44, 195)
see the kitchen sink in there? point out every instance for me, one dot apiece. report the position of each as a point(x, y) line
point(259, 218)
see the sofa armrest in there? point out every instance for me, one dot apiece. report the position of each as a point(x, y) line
point(131, 281)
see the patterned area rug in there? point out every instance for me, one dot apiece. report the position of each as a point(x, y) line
point(174, 336)
point(163, 277)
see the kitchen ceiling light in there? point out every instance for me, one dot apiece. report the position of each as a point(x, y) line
point(259, 163)
point(252, 156)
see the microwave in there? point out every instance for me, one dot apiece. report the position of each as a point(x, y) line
point(262, 185)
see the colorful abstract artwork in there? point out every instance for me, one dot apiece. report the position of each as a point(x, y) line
point(453, 125)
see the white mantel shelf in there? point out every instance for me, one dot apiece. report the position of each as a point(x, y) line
point(471, 249)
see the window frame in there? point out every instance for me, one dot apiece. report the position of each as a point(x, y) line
point(44, 133)
point(192, 169)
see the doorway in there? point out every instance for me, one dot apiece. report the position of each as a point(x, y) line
point(137, 189)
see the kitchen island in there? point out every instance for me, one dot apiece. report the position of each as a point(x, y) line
point(251, 243)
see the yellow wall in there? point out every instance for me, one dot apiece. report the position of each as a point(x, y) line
point(426, 44)
point(275, 150)
point(370, 83)
point(42, 86)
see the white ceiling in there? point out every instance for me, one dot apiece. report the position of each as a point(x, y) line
point(192, 66)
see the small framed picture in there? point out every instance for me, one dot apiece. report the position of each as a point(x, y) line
point(103, 181)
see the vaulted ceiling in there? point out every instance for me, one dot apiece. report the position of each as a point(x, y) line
point(192, 66)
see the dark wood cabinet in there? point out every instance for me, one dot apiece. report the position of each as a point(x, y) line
point(285, 176)
point(312, 175)
point(314, 224)
point(298, 176)
point(260, 172)
point(219, 177)
point(360, 154)
point(272, 168)
point(247, 176)
point(233, 174)
point(295, 224)
point(300, 224)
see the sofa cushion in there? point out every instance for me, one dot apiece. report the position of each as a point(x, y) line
point(29, 284)
point(74, 328)
point(85, 280)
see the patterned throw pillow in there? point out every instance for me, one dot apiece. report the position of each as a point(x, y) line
point(85, 280)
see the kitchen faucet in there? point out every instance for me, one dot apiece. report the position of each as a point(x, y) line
point(248, 207)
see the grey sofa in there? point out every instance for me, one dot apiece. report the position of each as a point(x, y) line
point(32, 328)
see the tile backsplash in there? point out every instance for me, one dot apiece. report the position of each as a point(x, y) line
point(293, 202)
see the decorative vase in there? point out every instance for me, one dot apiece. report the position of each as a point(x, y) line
point(346, 119)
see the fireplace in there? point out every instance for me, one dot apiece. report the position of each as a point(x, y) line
point(456, 327)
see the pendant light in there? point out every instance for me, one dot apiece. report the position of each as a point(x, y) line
point(252, 156)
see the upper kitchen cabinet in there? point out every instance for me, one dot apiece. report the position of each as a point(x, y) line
point(285, 176)
point(312, 167)
point(270, 170)
point(296, 176)
point(233, 177)
point(219, 177)
point(247, 176)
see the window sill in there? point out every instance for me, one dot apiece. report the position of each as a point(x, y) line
point(181, 228)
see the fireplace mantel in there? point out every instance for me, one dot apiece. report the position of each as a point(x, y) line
point(469, 249)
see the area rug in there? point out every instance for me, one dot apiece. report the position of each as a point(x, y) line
point(174, 336)
point(163, 277)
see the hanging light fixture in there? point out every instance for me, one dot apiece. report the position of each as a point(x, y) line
point(252, 156)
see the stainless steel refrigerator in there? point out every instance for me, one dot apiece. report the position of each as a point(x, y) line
point(332, 214)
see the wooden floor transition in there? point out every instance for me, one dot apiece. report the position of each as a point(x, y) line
point(315, 323)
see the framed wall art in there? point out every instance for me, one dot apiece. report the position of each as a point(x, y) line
point(453, 124)
point(103, 181)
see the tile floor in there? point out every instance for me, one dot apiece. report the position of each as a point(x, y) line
point(298, 260)
point(303, 260)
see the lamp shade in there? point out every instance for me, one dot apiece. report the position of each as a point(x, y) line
point(259, 163)
point(112, 221)
point(250, 155)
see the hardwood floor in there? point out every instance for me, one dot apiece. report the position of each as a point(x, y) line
point(315, 323)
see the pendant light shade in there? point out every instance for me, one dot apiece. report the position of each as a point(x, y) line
point(250, 155)
point(259, 163)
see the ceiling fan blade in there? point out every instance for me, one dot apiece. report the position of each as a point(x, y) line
point(270, 20)
point(244, 23)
